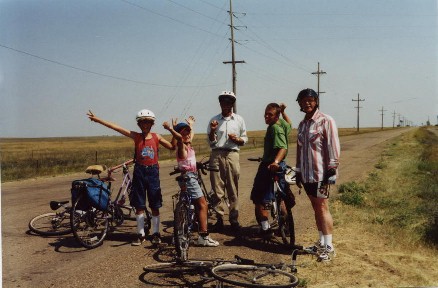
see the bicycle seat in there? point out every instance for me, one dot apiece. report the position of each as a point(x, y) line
point(54, 205)
point(95, 169)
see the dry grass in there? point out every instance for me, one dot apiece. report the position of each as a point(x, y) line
point(34, 157)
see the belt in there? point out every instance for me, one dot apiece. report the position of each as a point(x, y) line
point(225, 150)
point(147, 166)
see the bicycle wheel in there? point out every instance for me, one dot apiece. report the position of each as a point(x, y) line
point(181, 230)
point(51, 224)
point(89, 225)
point(178, 267)
point(253, 276)
point(286, 225)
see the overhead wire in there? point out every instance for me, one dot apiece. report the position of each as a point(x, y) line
point(197, 56)
point(98, 73)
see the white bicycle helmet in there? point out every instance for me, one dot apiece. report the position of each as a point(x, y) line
point(227, 94)
point(290, 176)
point(145, 114)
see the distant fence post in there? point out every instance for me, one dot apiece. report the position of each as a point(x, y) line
point(95, 159)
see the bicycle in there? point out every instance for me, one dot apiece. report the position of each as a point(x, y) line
point(184, 212)
point(238, 272)
point(90, 224)
point(53, 223)
point(211, 197)
point(281, 208)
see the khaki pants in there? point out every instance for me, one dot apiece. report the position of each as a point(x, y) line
point(226, 181)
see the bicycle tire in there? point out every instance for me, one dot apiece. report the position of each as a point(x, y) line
point(178, 267)
point(181, 231)
point(51, 224)
point(253, 276)
point(289, 202)
point(286, 226)
point(89, 226)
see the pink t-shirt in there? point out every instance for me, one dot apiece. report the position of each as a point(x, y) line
point(188, 164)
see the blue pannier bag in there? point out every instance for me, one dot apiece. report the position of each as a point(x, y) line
point(98, 194)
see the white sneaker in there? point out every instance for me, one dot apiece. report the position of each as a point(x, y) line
point(316, 248)
point(327, 254)
point(139, 240)
point(207, 241)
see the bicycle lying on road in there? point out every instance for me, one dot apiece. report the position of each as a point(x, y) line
point(237, 272)
point(184, 211)
point(53, 223)
point(281, 208)
point(93, 212)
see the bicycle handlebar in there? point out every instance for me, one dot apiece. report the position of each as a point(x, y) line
point(112, 169)
point(200, 166)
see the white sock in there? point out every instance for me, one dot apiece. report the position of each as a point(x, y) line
point(265, 225)
point(140, 224)
point(155, 224)
point(328, 240)
point(321, 238)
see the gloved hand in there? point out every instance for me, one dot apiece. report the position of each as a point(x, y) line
point(329, 173)
point(299, 179)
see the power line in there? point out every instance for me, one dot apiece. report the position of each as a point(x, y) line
point(168, 17)
point(102, 74)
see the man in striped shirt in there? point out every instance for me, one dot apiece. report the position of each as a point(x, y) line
point(318, 151)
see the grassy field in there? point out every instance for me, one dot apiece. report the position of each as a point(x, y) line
point(23, 158)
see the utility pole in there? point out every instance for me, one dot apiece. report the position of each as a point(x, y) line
point(233, 60)
point(381, 110)
point(317, 73)
point(358, 107)
point(393, 119)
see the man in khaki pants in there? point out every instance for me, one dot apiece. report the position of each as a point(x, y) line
point(226, 133)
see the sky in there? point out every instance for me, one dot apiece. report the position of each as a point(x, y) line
point(59, 59)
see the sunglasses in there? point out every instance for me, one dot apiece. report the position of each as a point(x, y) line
point(145, 122)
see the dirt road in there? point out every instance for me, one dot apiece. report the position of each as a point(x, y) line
point(34, 261)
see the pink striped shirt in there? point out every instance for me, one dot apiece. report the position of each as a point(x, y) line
point(318, 147)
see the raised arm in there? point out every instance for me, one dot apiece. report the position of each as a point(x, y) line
point(169, 128)
point(108, 124)
point(283, 113)
point(191, 121)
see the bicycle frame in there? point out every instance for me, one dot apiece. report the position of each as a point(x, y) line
point(281, 212)
point(90, 226)
point(184, 218)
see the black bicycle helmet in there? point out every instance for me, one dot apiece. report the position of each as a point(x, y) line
point(307, 93)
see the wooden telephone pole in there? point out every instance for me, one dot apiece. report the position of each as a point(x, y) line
point(358, 107)
point(381, 110)
point(233, 60)
point(317, 73)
